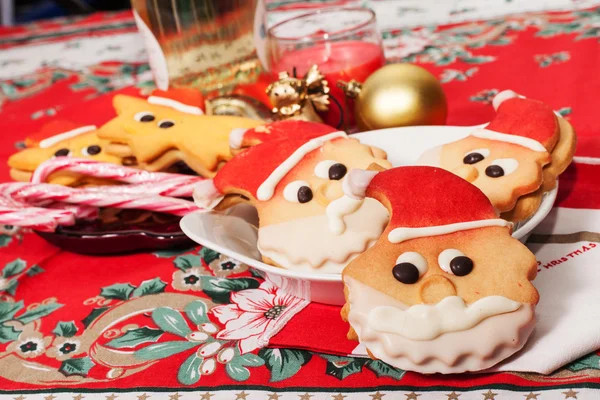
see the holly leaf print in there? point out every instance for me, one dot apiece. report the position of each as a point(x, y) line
point(95, 313)
point(14, 268)
point(284, 363)
point(151, 286)
point(382, 369)
point(118, 291)
point(187, 261)
point(65, 329)
point(343, 367)
point(5, 240)
point(76, 366)
point(591, 361)
point(135, 337)
point(34, 270)
point(11, 287)
point(8, 310)
point(219, 289)
point(8, 334)
point(38, 312)
point(208, 255)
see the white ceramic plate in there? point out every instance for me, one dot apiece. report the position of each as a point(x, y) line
point(234, 233)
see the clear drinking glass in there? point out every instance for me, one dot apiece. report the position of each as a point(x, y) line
point(209, 44)
point(345, 43)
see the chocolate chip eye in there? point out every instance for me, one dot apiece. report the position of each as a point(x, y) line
point(409, 267)
point(494, 171)
point(166, 124)
point(91, 150)
point(504, 165)
point(144, 116)
point(474, 156)
point(461, 265)
point(62, 153)
point(406, 273)
point(298, 192)
point(305, 194)
point(337, 171)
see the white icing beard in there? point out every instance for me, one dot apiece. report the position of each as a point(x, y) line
point(326, 243)
point(448, 337)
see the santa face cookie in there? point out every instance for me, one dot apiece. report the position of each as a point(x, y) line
point(445, 288)
point(61, 139)
point(515, 159)
point(295, 181)
point(170, 127)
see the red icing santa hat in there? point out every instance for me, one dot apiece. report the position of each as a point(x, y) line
point(259, 169)
point(242, 138)
point(55, 132)
point(525, 122)
point(424, 201)
point(186, 100)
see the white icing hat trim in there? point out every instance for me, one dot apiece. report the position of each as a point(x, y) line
point(206, 195)
point(356, 183)
point(267, 188)
point(503, 96)
point(51, 141)
point(400, 235)
point(236, 136)
point(514, 139)
point(185, 108)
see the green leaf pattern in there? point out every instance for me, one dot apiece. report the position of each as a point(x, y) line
point(65, 329)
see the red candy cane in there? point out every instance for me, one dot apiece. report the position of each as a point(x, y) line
point(140, 181)
point(36, 193)
point(20, 214)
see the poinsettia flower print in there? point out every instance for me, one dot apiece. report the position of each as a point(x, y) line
point(256, 315)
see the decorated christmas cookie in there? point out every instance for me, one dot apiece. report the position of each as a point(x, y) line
point(516, 158)
point(294, 176)
point(445, 288)
point(170, 127)
point(60, 139)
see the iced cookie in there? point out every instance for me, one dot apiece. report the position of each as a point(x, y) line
point(515, 159)
point(60, 139)
point(293, 175)
point(170, 127)
point(445, 288)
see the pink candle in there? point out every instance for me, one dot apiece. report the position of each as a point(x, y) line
point(344, 60)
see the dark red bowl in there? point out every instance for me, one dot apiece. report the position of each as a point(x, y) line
point(122, 231)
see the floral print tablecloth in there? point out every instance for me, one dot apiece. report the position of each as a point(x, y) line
point(192, 324)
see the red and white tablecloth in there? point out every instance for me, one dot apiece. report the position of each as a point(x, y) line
point(141, 326)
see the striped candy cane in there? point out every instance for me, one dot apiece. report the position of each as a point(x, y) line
point(140, 181)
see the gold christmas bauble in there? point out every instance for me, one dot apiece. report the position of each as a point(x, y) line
point(398, 95)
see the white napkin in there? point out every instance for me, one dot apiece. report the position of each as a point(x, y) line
point(568, 315)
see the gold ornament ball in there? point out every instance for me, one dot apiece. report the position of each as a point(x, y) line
point(400, 95)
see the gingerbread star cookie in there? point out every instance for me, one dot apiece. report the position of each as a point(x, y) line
point(293, 175)
point(446, 288)
point(516, 158)
point(61, 139)
point(170, 127)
